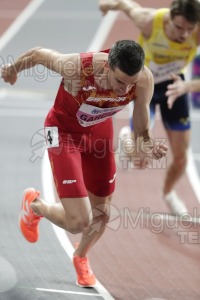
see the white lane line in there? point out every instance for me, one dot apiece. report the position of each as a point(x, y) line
point(195, 115)
point(103, 31)
point(67, 292)
point(192, 175)
point(23, 113)
point(29, 10)
point(196, 156)
point(29, 103)
point(22, 94)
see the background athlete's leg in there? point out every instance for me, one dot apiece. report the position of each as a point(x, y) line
point(179, 141)
point(177, 125)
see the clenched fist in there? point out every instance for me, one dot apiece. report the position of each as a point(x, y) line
point(9, 74)
point(106, 5)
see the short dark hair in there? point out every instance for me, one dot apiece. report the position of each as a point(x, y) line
point(127, 55)
point(189, 9)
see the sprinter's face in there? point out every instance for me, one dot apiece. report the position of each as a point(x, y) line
point(122, 83)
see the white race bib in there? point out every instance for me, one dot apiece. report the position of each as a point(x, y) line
point(88, 115)
point(162, 72)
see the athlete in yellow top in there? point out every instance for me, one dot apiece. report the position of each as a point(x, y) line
point(170, 37)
